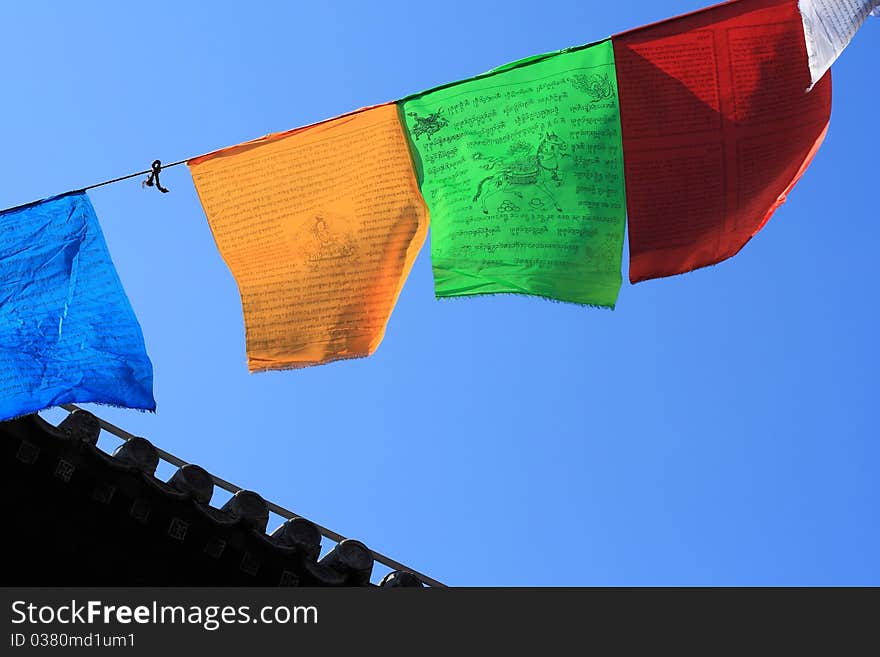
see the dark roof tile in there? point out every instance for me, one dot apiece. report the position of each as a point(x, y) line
point(195, 481)
point(83, 517)
point(249, 508)
point(400, 578)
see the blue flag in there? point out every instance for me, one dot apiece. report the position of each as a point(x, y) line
point(67, 331)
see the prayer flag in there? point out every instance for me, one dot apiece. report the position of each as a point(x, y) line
point(829, 26)
point(320, 227)
point(522, 171)
point(717, 129)
point(67, 331)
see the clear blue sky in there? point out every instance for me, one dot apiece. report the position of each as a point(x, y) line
point(717, 428)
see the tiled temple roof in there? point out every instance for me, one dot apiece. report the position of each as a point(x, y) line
point(76, 515)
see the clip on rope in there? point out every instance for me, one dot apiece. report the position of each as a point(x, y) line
point(153, 178)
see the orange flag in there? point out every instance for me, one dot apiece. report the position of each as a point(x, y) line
point(320, 227)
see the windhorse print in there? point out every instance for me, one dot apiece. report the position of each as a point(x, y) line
point(528, 173)
point(521, 169)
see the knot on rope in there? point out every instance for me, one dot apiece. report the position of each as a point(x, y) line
point(153, 178)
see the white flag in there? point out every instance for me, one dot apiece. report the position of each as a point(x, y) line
point(829, 26)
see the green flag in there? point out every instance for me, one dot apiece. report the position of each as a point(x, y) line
point(522, 171)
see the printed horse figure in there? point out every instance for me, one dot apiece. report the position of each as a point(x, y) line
point(540, 170)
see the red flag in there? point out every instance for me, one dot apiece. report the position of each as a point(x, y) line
point(717, 129)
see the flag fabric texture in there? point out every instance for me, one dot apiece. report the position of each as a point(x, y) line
point(691, 132)
point(717, 129)
point(829, 26)
point(522, 171)
point(67, 331)
point(320, 227)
